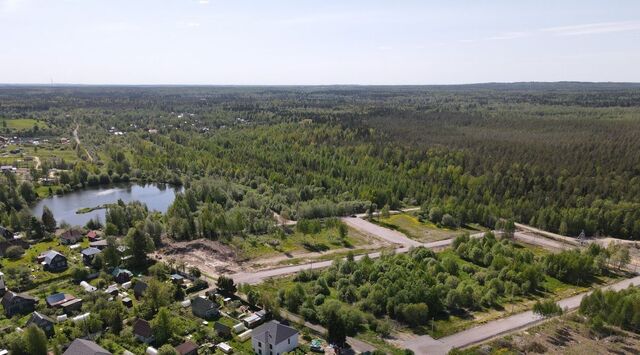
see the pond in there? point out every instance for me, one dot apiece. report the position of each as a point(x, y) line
point(157, 197)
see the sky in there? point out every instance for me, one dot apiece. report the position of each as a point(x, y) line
point(322, 42)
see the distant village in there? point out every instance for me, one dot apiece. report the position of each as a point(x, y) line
point(231, 319)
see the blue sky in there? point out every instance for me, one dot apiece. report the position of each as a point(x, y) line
point(317, 42)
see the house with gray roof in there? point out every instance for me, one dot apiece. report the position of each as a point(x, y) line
point(88, 255)
point(204, 308)
point(18, 303)
point(54, 261)
point(121, 275)
point(85, 347)
point(43, 322)
point(273, 338)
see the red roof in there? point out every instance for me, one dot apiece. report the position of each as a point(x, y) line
point(186, 348)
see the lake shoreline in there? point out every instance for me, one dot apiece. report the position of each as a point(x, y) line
point(81, 206)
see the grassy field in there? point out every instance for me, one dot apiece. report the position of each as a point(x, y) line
point(21, 124)
point(421, 231)
point(327, 239)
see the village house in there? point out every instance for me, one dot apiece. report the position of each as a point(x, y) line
point(142, 331)
point(18, 303)
point(93, 236)
point(85, 347)
point(54, 261)
point(70, 236)
point(72, 306)
point(177, 279)
point(100, 244)
point(89, 254)
point(58, 299)
point(204, 308)
point(43, 322)
point(273, 338)
point(254, 319)
point(121, 275)
point(187, 348)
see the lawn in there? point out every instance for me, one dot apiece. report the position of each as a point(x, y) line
point(38, 275)
point(255, 247)
point(22, 124)
point(422, 231)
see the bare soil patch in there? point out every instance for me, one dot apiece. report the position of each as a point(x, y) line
point(211, 257)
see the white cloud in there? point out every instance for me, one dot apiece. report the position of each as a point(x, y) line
point(203, 2)
point(594, 28)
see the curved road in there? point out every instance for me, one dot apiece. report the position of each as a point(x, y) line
point(395, 237)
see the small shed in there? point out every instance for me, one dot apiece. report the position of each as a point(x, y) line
point(246, 335)
point(239, 328)
point(127, 302)
point(225, 348)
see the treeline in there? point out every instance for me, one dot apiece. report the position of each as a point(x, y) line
point(618, 308)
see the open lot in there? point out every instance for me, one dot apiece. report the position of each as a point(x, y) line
point(422, 231)
point(260, 252)
point(21, 124)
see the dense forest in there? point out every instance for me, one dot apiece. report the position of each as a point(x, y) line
point(563, 157)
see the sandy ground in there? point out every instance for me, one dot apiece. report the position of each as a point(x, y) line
point(214, 258)
point(211, 257)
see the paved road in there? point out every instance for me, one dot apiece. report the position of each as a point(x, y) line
point(427, 345)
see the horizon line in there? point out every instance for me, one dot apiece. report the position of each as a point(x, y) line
point(318, 85)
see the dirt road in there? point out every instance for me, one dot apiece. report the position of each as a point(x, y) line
point(387, 234)
point(542, 241)
point(75, 136)
point(256, 277)
point(427, 345)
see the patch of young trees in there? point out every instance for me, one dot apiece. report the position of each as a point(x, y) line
point(618, 308)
